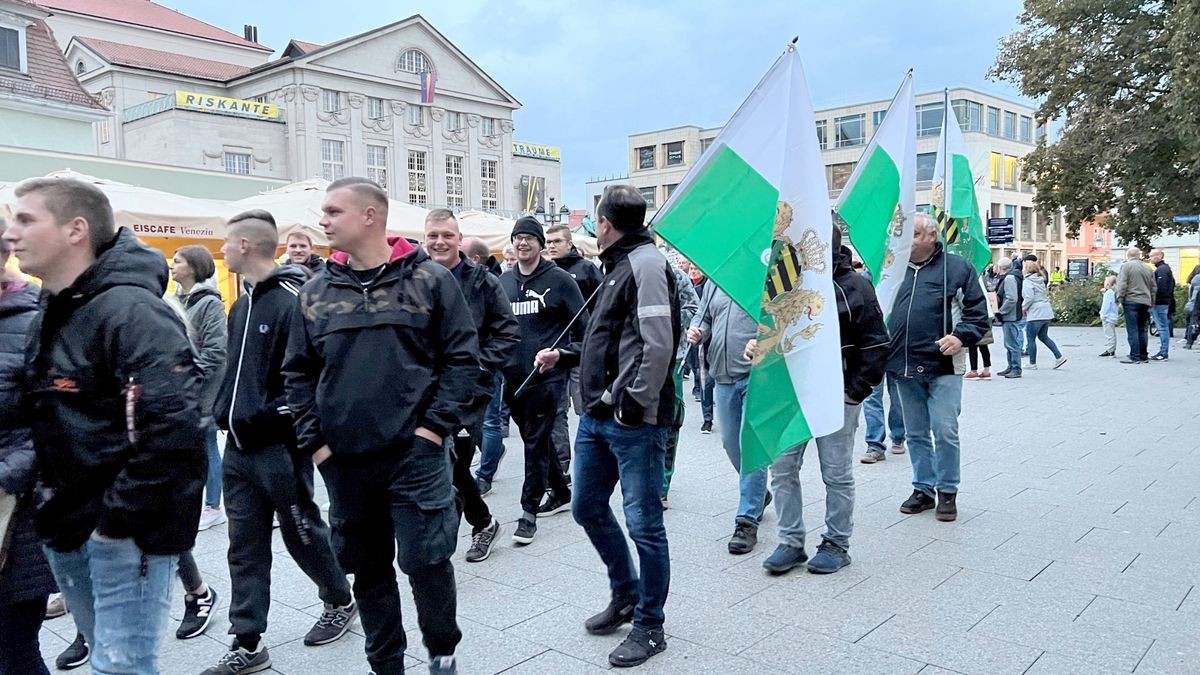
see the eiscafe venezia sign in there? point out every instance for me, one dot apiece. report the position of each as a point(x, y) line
point(229, 106)
point(164, 230)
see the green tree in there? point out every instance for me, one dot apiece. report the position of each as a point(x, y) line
point(1124, 76)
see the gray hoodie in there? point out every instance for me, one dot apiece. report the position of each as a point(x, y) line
point(1037, 301)
point(727, 329)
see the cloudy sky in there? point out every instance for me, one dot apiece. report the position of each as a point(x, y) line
point(590, 73)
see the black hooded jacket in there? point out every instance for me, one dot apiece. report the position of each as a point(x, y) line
point(587, 275)
point(251, 403)
point(544, 303)
point(495, 326)
point(865, 343)
point(113, 395)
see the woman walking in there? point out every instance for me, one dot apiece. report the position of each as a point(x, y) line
point(982, 348)
point(1038, 314)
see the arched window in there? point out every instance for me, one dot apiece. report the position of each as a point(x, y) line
point(413, 61)
point(79, 67)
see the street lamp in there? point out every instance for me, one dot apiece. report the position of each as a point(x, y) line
point(552, 217)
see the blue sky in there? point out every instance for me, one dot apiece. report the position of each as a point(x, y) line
point(590, 73)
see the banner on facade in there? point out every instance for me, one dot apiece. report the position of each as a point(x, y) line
point(523, 149)
point(223, 104)
point(531, 193)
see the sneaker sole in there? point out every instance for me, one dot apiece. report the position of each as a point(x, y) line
point(74, 664)
point(317, 643)
point(1059, 365)
point(562, 508)
point(947, 517)
point(524, 541)
point(814, 570)
point(608, 630)
point(776, 570)
point(256, 668)
point(900, 451)
point(706, 432)
point(871, 460)
point(914, 511)
point(630, 664)
point(198, 632)
point(211, 525)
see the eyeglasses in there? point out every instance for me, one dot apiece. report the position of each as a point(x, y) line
point(525, 239)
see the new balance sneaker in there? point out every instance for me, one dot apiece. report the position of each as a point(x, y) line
point(483, 541)
point(554, 505)
point(918, 502)
point(1060, 361)
point(74, 655)
point(240, 661)
point(1158, 357)
point(947, 509)
point(443, 665)
point(526, 528)
point(197, 614)
point(618, 613)
point(333, 624)
point(638, 647)
point(872, 455)
point(784, 559)
point(744, 539)
point(706, 428)
point(829, 558)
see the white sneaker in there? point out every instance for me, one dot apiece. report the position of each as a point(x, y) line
point(1058, 362)
point(212, 516)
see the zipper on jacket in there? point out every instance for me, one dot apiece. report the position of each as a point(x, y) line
point(908, 318)
point(237, 376)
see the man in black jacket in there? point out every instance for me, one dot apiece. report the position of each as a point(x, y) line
point(544, 299)
point(498, 335)
point(265, 474)
point(112, 395)
point(939, 309)
point(382, 366)
point(629, 404)
point(865, 349)
point(300, 252)
point(1164, 303)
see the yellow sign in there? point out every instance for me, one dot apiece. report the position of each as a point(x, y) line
point(230, 106)
point(522, 149)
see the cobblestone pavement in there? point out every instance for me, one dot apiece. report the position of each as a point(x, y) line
point(1074, 552)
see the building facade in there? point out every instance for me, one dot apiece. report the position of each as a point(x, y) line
point(1092, 245)
point(998, 132)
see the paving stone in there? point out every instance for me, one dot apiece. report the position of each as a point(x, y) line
point(499, 606)
point(1144, 620)
point(962, 652)
point(1170, 657)
point(1019, 565)
point(1050, 663)
point(793, 649)
point(551, 661)
point(1054, 633)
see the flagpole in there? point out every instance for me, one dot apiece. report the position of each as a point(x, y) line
point(946, 114)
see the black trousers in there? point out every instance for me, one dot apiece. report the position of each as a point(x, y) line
point(390, 508)
point(535, 412)
point(475, 510)
point(20, 623)
point(257, 486)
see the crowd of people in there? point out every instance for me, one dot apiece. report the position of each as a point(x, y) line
point(386, 368)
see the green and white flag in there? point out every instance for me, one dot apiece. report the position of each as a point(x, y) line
point(955, 206)
point(878, 203)
point(753, 215)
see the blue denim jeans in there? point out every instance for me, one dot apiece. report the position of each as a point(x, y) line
point(1012, 345)
point(1039, 330)
point(1021, 346)
point(212, 487)
point(931, 408)
point(872, 409)
point(1162, 319)
point(752, 488)
point(707, 395)
point(120, 599)
point(491, 450)
point(1137, 330)
point(835, 454)
point(607, 453)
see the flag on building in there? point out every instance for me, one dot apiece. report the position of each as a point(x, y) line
point(955, 206)
point(878, 203)
point(428, 81)
point(753, 215)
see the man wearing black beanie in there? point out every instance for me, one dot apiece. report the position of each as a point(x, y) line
point(544, 299)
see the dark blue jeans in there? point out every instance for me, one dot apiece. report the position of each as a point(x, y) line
point(491, 450)
point(1012, 345)
point(1137, 329)
point(605, 453)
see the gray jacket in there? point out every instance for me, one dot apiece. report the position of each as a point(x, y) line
point(1010, 307)
point(689, 303)
point(727, 328)
point(206, 314)
point(1037, 300)
point(1136, 284)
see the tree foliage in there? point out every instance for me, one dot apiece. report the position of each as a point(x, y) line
point(1124, 77)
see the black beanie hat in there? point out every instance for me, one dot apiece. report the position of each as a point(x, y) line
point(529, 225)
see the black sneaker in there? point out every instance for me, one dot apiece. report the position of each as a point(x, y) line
point(483, 541)
point(197, 614)
point(75, 655)
point(553, 505)
point(618, 613)
point(333, 624)
point(443, 665)
point(706, 428)
point(484, 485)
point(829, 558)
point(526, 528)
point(745, 537)
point(1159, 357)
point(239, 661)
point(918, 502)
point(947, 510)
point(638, 647)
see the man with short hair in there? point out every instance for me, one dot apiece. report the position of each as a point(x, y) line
point(629, 401)
point(939, 309)
point(1010, 299)
point(550, 311)
point(498, 336)
point(114, 409)
point(265, 475)
point(381, 367)
point(1164, 303)
point(300, 252)
point(510, 258)
point(1136, 291)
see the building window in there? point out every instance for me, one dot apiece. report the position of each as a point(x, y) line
point(669, 190)
point(376, 110)
point(333, 159)
point(487, 175)
point(237, 162)
point(1010, 211)
point(1039, 133)
point(1010, 172)
point(1026, 221)
point(926, 163)
point(417, 192)
point(850, 131)
point(413, 61)
point(997, 169)
point(80, 68)
point(929, 119)
point(1026, 129)
point(377, 164)
point(993, 121)
point(11, 41)
point(822, 134)
point(648, 195)
point(1010, 125)
point(416, 116)
point(674, 153)
point(488, 127)
point(645, 157)
point(454, 121)
point(877, 118)
point(995, 212)
point(969, 114)
point(704, 143)
point(1036, 227)
point(838, 174)
point(331, 101)
point(454, 181)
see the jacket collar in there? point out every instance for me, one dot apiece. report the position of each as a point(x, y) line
point(621, 247)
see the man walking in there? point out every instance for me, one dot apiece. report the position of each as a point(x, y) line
point(1136, 291)
point(629, 401)
point(300, 252)
point(940, 308)
point(498, 337)
point(381, 366)
point(266, 476)
point(544, 299)
point(1164, 303)
point(1010, 299)
point(113, 397)
point(865, 349)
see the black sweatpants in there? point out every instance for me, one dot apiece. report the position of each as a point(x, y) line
point(257, 486)
point(475, 510)
point(397, 507)
point(19, 624)
point(535, 412)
